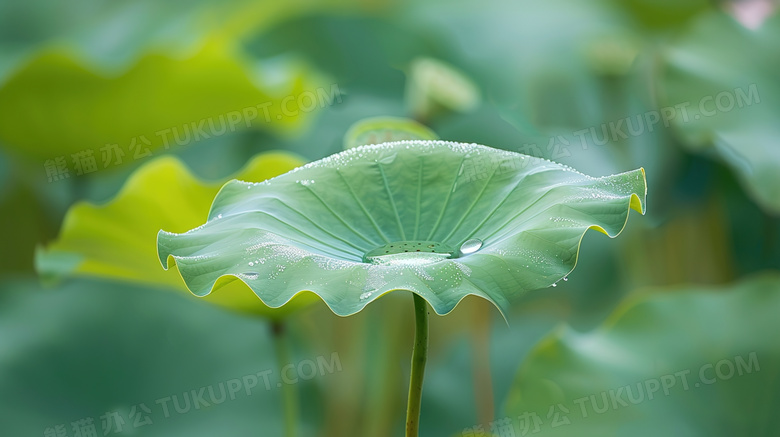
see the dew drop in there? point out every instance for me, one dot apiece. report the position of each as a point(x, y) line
point(365, 296)
point(251, 276)
point(251, 264)
point(554, 285)
point(470, 246)
point(565, 278)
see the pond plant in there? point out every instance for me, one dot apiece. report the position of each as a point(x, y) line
point(441, 220)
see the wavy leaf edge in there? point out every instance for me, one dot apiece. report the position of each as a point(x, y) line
point(635, 202)
point(45, 251)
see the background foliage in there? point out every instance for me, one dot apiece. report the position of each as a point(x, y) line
point(686, 89)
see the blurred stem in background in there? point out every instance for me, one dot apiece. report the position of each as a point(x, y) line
point(290, 402)
point(419, 358)
point(384, 344)
point(483, 380)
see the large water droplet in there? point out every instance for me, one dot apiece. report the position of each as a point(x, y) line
point(251, 276)
point(470, 246)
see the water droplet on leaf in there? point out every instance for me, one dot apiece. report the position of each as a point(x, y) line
point(470, 246)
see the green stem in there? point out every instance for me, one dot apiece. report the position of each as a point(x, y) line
point(483, 380)
point(419, 357)
point(290, 404)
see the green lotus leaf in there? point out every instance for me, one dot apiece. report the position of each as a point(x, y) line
point(110, 35)
point(160, 102)
point(442, 220)
point(377, 130)
point(117, 240)
point(685, 361)
point(722, 80)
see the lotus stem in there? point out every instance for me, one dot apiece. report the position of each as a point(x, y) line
point(290, 404)
point(419, 358)
point(483, 380)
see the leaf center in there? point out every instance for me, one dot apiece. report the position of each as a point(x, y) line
point(410, 252)
point(418, 252)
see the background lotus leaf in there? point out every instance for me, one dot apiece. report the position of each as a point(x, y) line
point(633, 375)
point(117, 240)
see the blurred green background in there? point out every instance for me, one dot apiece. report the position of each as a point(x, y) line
point(91, 91)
